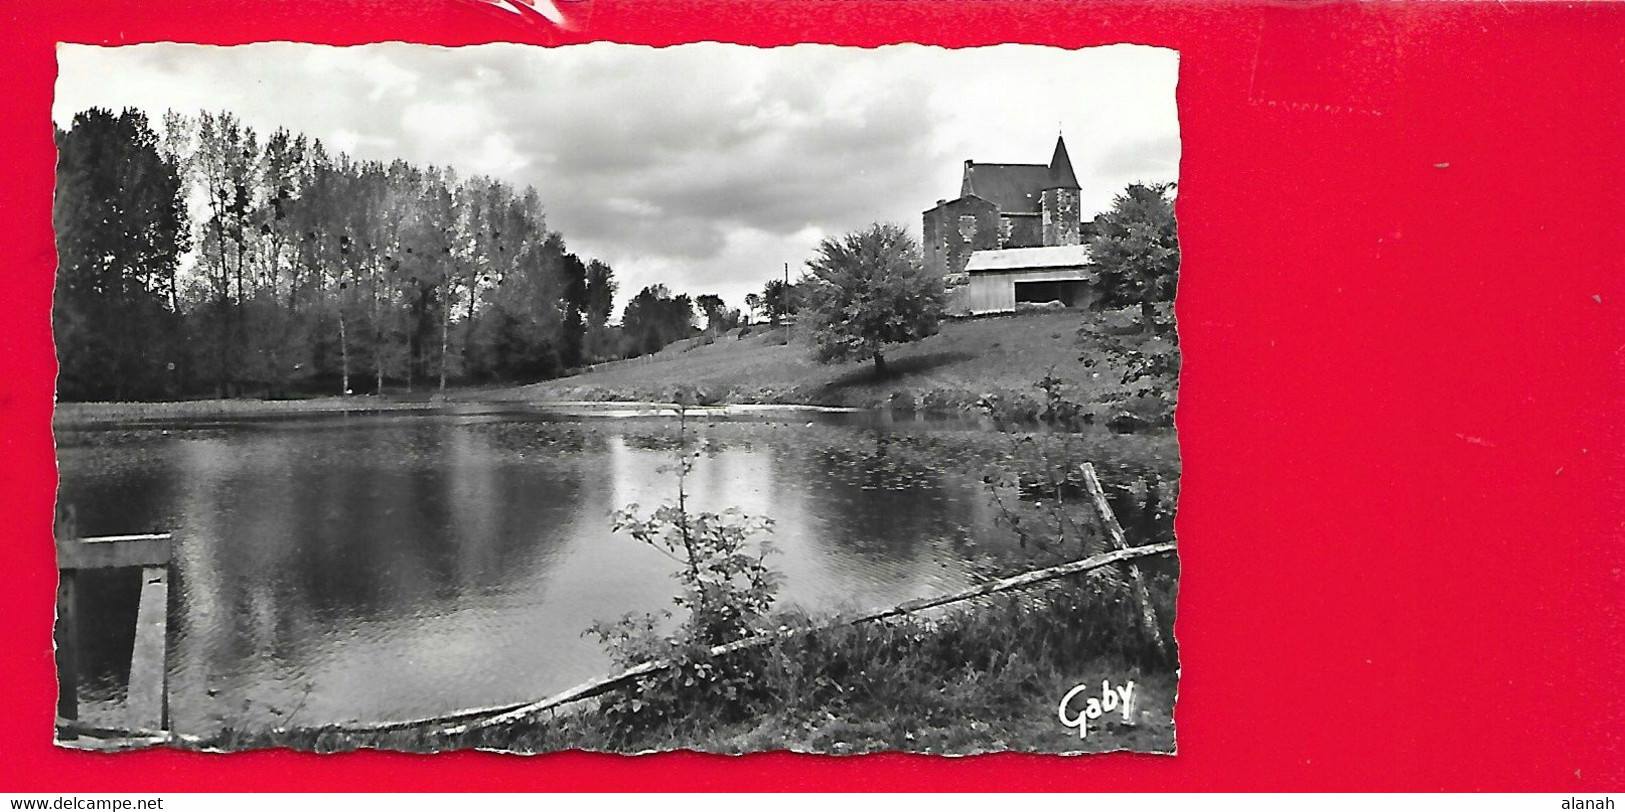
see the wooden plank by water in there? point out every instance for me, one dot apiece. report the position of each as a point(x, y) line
point(147, 550)
point(146, 697)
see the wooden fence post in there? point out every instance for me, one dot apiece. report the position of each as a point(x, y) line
point(1148, 613)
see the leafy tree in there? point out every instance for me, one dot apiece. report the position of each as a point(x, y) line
point(600, 303)
point(175, 138)
point(223, 164)
point(121, 229)
point(714, 310)
point(461, 271)
point(485, 202)
point(374, 221)
point(330, 249)
point(313, 225)
point(1136, 247)
point(274, 343)
point(867, 290)
point(573, 300)
point(433, 251)
point(655, 318)
point(521, 334)
point(780, 298)
point(753, 302)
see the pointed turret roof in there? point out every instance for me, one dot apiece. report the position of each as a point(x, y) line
point(1060, 168)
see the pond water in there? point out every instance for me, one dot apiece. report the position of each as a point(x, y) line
point(386, 567)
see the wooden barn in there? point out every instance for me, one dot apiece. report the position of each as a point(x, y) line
point(999, 281)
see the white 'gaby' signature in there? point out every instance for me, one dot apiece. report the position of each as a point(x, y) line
point(1110, 699)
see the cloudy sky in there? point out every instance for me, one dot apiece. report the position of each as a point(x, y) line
point(705, 167)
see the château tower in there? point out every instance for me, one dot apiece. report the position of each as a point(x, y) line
point(1059, 206)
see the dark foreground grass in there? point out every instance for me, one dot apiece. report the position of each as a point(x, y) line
point(985, 677)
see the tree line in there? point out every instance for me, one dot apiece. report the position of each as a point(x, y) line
point(201, 257)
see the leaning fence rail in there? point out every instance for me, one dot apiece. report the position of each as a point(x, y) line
point(603, 685)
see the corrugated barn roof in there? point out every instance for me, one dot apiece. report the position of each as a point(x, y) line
point(1017, 259)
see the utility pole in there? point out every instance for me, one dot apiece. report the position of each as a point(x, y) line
point(789, 324)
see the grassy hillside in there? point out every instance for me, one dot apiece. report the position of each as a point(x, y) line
point(968, 359)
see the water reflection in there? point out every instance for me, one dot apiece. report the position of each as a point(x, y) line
point(393, 567)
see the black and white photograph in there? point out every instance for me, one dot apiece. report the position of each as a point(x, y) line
point(615, 398)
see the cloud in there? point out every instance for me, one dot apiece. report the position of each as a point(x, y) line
point(1155, 157)
point(706, 166)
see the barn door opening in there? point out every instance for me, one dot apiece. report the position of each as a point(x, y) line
point(1068, 294)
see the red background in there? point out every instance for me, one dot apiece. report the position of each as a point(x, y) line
point(1401, 308)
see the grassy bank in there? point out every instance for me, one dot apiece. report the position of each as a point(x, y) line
point(81, 414)
point(950, 371)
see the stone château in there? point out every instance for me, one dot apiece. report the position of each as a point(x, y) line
point(1005, 214)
